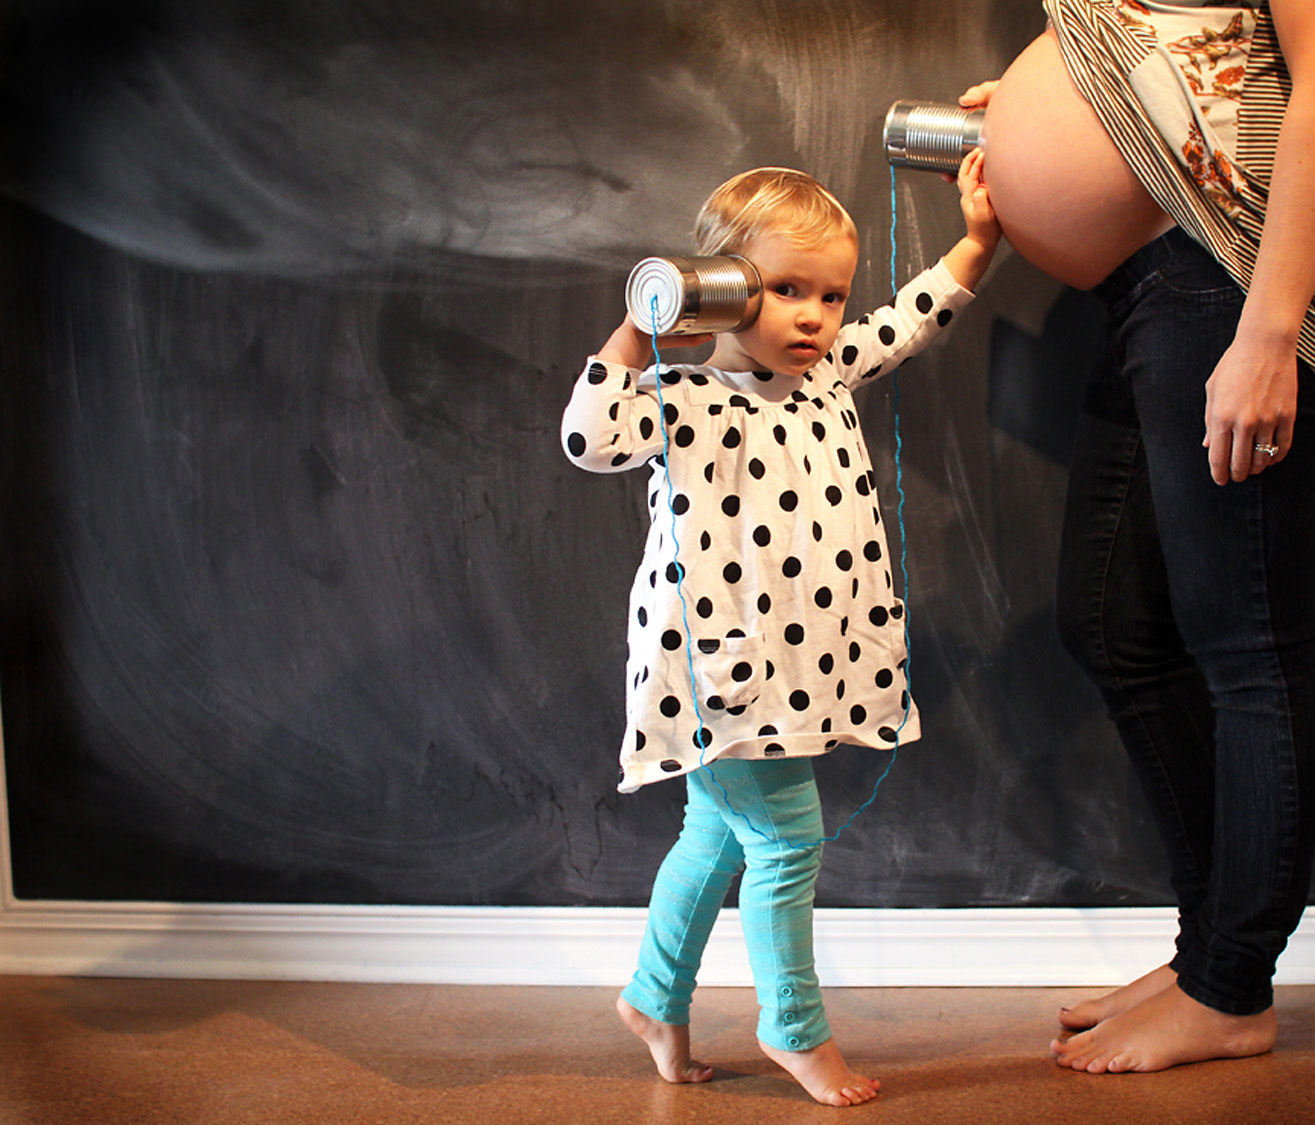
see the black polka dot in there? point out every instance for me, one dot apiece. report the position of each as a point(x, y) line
point(731, 572)
point(739, 400)
point(670, 765)
point(731, 438)
point(888, 734)
point(878, 616)
point(642, 615)
point(742, 671)
point(704, 607)
point(844, 560)
point(833, 494)
point(817, 531)
point(826, 664)
point(709, 645)
point(791, 567)
point(840, 689)
point(897, 611)
point(822, 596)
point(794, 634)
point(778, 432)
point(799, 699)
point(641, 740)
point(671, 640)
point(884, 678)
point(762, 535)
point(705, 541)
point(773, 750)
point(857, 715)
point(680, 503)
point(819, 431)
point(764, 603)
point(708, 470)
point(872, 550)
point(620, 459)
point(670, 706)
point(646, 428)
point(789, 501)
point(861, 486)
point(675, 572)
point(944, 317)
point(757, 469)
point(702, 738)
point(684, 436)
point(597, 373)
point(855, 652)
point(576, 445)
point(842, 455)
point(731, 505)
point(886, 334)
point(849, 354)
point(924, 303)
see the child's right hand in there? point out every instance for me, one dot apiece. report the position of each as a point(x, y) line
point(631, 345)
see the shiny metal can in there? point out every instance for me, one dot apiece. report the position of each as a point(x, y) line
point(932, 136)
point(687, 296)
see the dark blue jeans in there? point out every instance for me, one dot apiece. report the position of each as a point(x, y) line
point(1192, 607)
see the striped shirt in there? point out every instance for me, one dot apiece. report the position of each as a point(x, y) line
point(1193, 95)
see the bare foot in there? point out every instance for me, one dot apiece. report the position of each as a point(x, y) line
point(668, 1043)
point(1090, 1012)
point(825, 1074)
point(1167, 1029)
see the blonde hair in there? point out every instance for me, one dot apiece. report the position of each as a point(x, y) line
point(779, 200)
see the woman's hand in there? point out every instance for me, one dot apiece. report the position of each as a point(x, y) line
point(978, 95)
point(1250, 402)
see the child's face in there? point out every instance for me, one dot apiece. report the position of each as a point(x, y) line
point(804, 294)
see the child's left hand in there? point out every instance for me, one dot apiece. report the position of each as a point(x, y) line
point(975, 201)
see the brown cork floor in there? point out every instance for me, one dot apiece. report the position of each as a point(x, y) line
point(76, 1050)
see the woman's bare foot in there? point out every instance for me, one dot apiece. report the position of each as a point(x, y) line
point(668, 1043)
point(1090, 1012)
point(1167, 1029)
point(824, 1074)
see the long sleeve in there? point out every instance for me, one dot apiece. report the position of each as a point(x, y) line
point(610, 425)
point(880, 341)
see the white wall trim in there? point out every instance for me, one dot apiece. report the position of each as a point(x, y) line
point(860, 948)
point(582, 946)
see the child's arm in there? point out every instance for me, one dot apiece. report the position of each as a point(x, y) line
point(610, 425)
point(968, 258)
point(879, 342)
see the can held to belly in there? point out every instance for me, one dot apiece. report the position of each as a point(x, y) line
point(932, 136)
point(688, 296)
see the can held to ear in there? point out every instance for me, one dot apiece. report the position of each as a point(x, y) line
point(694, 295)
point(931, 136)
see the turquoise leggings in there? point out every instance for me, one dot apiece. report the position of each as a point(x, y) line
point(776, 897)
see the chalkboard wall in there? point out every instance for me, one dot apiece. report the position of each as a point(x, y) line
point(299, 599)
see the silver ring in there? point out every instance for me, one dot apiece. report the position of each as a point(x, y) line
point(1265, 448)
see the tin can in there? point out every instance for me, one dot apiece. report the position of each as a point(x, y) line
point(688, 296)
point(932, 136)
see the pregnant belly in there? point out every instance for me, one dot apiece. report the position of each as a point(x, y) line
point(1066, 199)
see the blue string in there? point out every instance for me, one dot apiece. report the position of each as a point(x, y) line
point(684, 606)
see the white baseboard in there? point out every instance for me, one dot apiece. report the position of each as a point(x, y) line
point(583, 946)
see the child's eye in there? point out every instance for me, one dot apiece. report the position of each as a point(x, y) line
point(834, 298)
point(784, 289)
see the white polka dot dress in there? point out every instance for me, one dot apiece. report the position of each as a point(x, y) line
point(795, 636)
